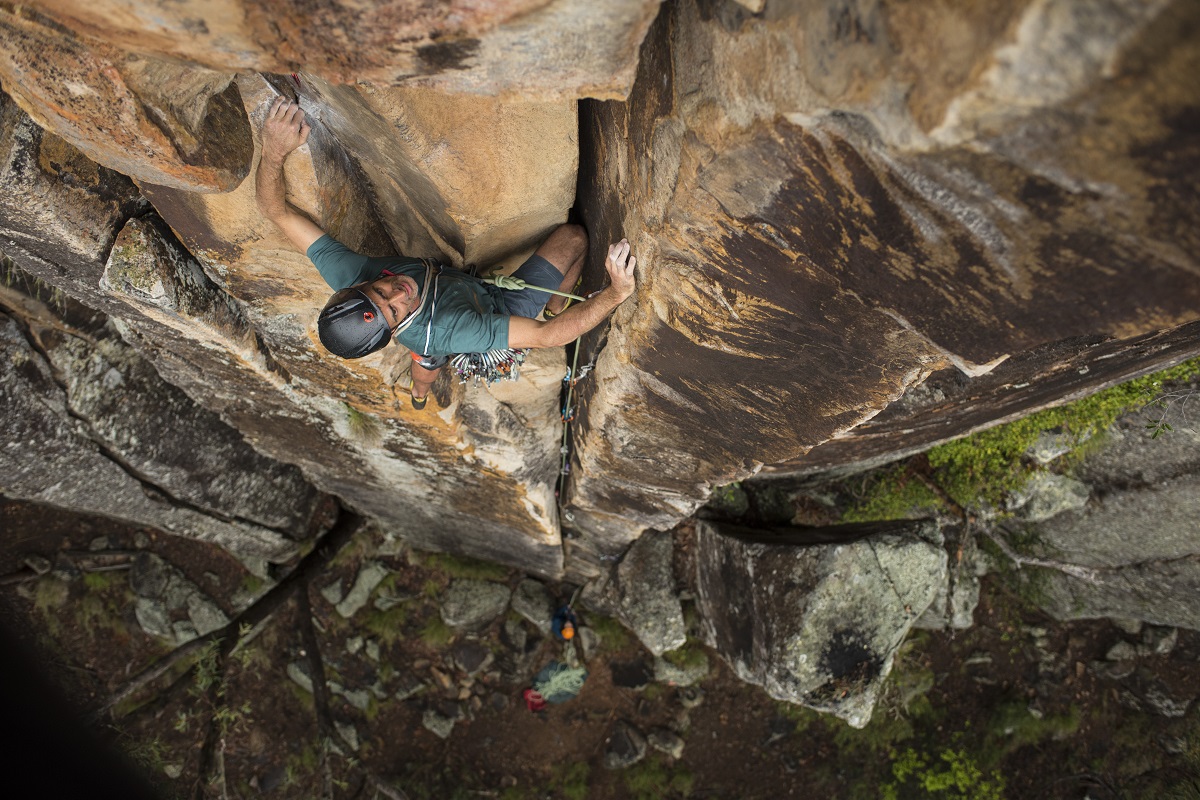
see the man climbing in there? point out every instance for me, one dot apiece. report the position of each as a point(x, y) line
point(432, 311)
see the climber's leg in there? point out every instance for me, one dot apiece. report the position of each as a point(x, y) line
point(566, 248)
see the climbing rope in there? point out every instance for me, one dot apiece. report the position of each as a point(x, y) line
point(516, 284)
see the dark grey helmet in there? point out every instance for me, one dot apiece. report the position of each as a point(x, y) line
point(351, 325)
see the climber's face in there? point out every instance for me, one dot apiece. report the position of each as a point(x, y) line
point(396, 295)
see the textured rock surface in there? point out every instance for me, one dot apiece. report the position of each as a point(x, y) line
point(470, 603)
point(648, 598)
point(90, 425)
point(929, 218)
point(563, 48)
point(1138, 530)
point(829, 219)
point(817, 625)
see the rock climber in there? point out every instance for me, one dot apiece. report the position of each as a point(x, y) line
point(432, 311)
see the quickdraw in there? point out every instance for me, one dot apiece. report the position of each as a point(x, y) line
point(489, 367)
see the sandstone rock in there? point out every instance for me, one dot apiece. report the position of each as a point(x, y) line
point(59, 202)
point(818, 625)
point(582, 49)
point(625, 746)
point(471, 604)
point(730, 170)
point(152, 119)
point(533, 602)
point(649, 601)
point(370, 575)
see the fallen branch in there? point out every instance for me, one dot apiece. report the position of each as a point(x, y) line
point(1074, 570)
point(230, 635)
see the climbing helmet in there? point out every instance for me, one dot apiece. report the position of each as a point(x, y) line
point(351, 325)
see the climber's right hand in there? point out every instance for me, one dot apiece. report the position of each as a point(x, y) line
point(284, 130)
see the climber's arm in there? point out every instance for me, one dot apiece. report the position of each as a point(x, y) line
point(283, 131)
point(579, 319)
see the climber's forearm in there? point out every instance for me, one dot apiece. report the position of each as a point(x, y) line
point(567, 326)
point(283, 131)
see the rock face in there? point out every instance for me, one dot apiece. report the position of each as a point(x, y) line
point(89, 425)
point(861, 229)
point(1138, 531)
point(817, 625)
point(830, 219)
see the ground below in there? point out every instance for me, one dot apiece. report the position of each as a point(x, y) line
point(1014, 707)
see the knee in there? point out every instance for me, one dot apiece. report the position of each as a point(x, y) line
point(575, 236)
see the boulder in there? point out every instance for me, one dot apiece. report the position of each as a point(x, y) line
point(1048, 494)
point(162, 591)
point(625, 746)
point(533, 602)
point(649, 600)
point(692, 670)
point(1141, 542)
point(370, 575)
point(472, 604)
point(816, 625)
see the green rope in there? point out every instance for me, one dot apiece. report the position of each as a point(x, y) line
point(516, 284)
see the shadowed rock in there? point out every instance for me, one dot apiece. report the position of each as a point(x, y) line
point(818, 626)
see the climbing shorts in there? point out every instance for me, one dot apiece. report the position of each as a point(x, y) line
point(536, 271)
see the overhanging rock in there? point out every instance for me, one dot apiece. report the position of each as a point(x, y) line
point(816, 625)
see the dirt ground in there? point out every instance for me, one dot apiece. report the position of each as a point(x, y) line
point(1013, 700)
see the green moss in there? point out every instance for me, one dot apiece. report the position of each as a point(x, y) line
point(571, 780)
point(951, 774)
point(436, 634)
point(462, 567)
point(651, 780)
point(613, 635)
point(730, 500)
point(1012, 726)
point(690, 656)
point(986, 466)
point(103, 581)
point(894, 493)
point(252, 584)
point(387, 626)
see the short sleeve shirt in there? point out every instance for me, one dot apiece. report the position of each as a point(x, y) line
point(462, 315)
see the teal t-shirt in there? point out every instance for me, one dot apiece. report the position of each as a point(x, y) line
point(462, 316)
